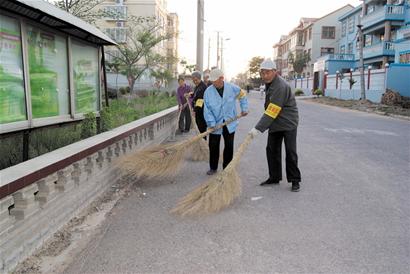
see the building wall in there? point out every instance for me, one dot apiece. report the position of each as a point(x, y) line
point(350, 36)
point(329, 20)
point(398, 78)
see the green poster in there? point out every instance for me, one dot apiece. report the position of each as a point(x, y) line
point(85, 78)
point(12, 99)
point(85, 92)
point(43, 81)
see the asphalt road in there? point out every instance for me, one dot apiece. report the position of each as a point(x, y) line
point(352, 214)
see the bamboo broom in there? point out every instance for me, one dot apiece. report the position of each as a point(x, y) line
point(200, 151)
point(217, 192)
point(163, 160)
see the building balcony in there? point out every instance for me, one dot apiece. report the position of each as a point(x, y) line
point(381, 49)
point(403, 33)
point(337, 57)
point(115, 12)
point(387, 13)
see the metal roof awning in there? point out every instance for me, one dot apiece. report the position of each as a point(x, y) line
point(56, 18)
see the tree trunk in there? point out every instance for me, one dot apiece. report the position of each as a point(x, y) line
point(131, 82)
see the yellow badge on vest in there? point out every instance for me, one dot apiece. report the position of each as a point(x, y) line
point(199, 103)
point(273, 110)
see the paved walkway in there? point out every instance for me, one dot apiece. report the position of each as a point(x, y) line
point(351, 215)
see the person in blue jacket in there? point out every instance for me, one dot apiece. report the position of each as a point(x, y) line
point(220, 106)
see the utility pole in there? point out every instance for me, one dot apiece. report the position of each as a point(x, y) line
point(200, 36)
point(217, 49)
point(209, 52)
point(222, 52)
point(361, 64)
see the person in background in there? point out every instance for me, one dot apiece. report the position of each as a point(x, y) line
point(184, 123)
point(206, 79)
point(281, 118)
point(220, 106)
point(198, 101)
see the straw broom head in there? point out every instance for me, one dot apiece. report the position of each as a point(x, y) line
point(162, 160)
point(212, 196)
point(200, 151)
point(216, 193)
point(156, 162)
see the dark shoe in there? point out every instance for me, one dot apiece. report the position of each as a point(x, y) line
point(186, 131)
point(295, 186)
point(269, 182)
point(211, 172)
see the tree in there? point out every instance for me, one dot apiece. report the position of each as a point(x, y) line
point(255, 66)
point(186, 67)
point(300, 62)
point(83, 9)
point(137, 55)
point(254, 70)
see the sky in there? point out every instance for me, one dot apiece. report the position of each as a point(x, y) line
point(251, 27)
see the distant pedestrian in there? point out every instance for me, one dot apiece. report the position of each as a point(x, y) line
point(281, 118)
point(198, 101)
point(220, 106)
point(184, 123)
point(206, 79)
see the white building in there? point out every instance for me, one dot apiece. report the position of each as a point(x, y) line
point(116, 27)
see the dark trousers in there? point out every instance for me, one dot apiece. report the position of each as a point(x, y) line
point(200, 120)
point(214, 140)
point(274, 155)
point(185, 120)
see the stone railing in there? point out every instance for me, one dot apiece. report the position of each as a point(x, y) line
point(38, 196)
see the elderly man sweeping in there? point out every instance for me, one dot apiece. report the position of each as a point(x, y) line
point(220, 106)
point(281, 118)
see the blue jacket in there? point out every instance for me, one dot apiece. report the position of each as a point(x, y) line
point(217, 109)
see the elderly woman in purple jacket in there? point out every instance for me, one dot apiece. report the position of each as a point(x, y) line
point(185, 118)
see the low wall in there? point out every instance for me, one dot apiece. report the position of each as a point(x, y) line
point(341, 88)
point(39, 196)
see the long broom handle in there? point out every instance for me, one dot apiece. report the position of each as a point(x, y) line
point(210, 130)
point(237, 157)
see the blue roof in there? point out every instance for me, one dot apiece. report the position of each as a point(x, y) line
point(350, 13)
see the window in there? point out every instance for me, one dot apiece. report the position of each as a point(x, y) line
point(342, 49)
point(350, 48)
point(86, 81)
point(325, 51)
point(48, 73)
point(350, 24)
point(344, 28)
point(119, 35)
point(368, 40)
point(12, 99)
point(310, 33)
point(328, 32)
point(404, 58)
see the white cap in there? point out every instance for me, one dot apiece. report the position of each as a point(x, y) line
point(215, 74)
point(268, 64)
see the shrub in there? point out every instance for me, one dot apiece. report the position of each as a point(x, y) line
point(124, 90)
point(318, 92)
point(299, 92)
point(106, 119)
point(143, 93)
point(88, 125)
